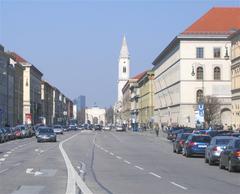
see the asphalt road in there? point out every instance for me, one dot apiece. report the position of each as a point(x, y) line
point(113, 162)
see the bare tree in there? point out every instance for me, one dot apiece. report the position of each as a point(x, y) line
point(211, 109)
point(109, 114)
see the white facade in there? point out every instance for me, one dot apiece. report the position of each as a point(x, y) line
point(175, 87)
point(123, 68)
point(95, 115)
point(74, 111)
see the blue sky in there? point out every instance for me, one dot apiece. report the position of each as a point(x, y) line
point(76, 44)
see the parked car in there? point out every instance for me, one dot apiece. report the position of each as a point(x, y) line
point(196, 145)
point(46, 134)
point(22, 131)
point(10, 133)
point(73, 127)
point(230, 157)
point(216, 146)
point(97, 127)
point(235, 134)
point(214, 133)
point(179, 142)
point(180, 130)
point(119, 128)
point(170, 132)
point(107, 127)
point(58, 129)
point(5, 134)
point(2, 136)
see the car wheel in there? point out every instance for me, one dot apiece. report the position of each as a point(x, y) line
point(183, 152)
point(206, 160)
point(187, 154)
point(210, 162)
point(178, 151)
point(221, 166)
point(174, 151)
point(230, 167)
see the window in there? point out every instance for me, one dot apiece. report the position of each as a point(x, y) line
point(199, 96)
point(216, 52)
point(199, 52)
point(217, 73)
point(199, 73)
point(124, 70)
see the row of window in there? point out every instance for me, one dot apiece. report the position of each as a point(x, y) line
point(200, 52)
point(216, 75)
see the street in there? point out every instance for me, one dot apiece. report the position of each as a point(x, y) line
point(114, 162)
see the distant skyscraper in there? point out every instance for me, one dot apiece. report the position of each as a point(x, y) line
point(80, 101)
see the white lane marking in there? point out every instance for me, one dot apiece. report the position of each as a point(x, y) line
point(5, 155)
point(111, 153)
point(180, 186)
point(2, 159)
point(118, 157)
point(156, 175)
point(9, 152)
point(106, 151)
point(73, 177)
point(127, 162)
point(36, 150)
point(17, 164)
point(2, 171)
point(29, 170)
point(140, 168)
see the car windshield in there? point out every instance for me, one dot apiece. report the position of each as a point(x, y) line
point(57, 126)
point(201, 139)
point(45, 130)
point(184, 136)
point(222, 141)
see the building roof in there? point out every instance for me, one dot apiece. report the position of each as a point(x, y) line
point(218, 20)
point(139, 76)
point(17, 57)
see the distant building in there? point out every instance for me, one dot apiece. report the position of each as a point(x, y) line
point(95, 115)
point(235, 69)
point(80, 101)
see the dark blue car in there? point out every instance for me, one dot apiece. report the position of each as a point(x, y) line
point(196, 145)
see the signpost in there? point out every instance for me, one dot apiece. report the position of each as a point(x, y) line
point(28, 118)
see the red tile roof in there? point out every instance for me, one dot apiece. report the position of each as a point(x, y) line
point(139, 76)
point(17, 57)
point(218, 20)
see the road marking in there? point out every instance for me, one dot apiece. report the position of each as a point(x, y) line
point(111, 153)
point(5, 155)
point(127, 162)
point(2, 171)
point(36, 150)
point(17, 164)
point(9, 152)
point(2, 159)
point(140, 168)
point(118, 157)
point(177, 185)
point(73, 177)
point(152, 173)
point(106, 151)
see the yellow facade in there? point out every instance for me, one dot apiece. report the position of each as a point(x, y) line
point(145, 100)
point(235, 53)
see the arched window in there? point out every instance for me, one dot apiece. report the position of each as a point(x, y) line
point(199, 96)
point(199, 73)
point(124, 69)
point(217, 73)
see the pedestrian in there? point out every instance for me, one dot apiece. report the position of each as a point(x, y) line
point(156, 127)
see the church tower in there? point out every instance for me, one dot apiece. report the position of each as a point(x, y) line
point(123, 68)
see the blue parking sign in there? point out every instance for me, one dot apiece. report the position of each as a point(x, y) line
point(201, 109)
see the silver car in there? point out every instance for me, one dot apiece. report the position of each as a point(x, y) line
point(58, 129)
point(216, 146)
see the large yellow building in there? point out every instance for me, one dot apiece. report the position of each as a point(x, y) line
point(235, 53)
point(145, 100)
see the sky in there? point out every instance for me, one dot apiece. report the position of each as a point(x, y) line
point(76, 44)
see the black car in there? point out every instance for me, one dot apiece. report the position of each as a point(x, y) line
point(230, 157)
point(179, 142)
point(5, 134)
point(181, 130)
point(170, 132)
point(46, 134)
point(2, 136)
point(97, 127)
point(10, 133)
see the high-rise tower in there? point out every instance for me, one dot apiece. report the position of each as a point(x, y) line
point(123, 68)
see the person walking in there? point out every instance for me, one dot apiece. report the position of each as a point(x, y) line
point(156, 127)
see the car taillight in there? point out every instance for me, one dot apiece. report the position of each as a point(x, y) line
point(237, 153)
point(190, 144)
point(214, 149)
point(181, 142)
